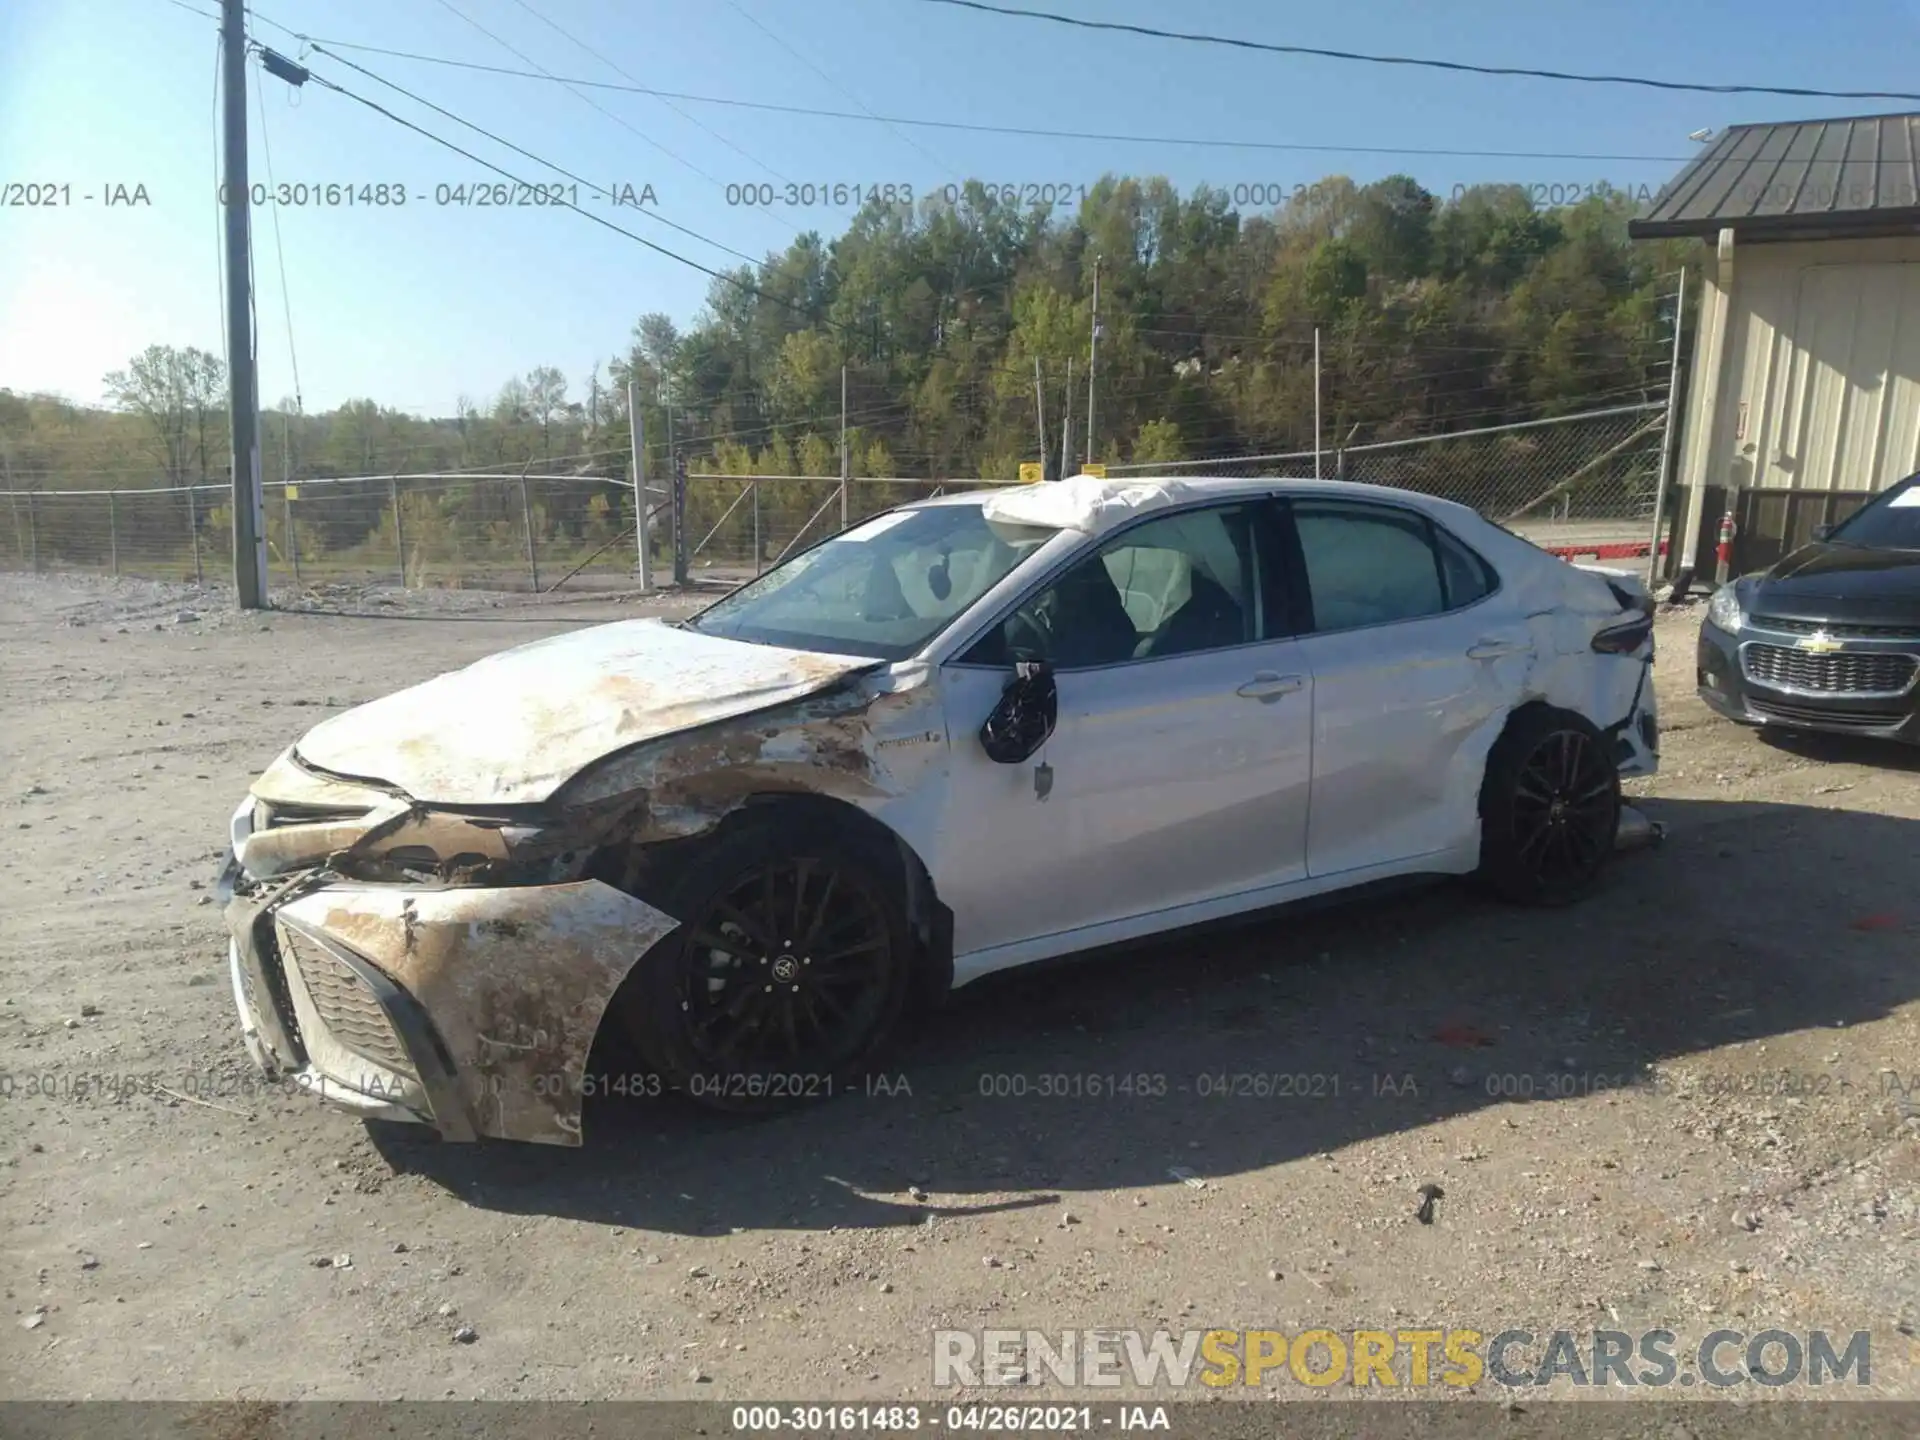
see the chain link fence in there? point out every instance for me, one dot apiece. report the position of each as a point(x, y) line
point(1581, 485)
point(742, 525)
point(511, 532)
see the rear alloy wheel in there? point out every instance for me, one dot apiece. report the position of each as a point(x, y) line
point(1549, 809)
point(789, 970)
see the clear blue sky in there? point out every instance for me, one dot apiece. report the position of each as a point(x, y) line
point(418, 305)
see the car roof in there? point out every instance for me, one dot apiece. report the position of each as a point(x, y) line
point(1223, 486)
point(1186, 489)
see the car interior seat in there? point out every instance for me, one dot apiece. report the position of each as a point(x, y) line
point(1088, 621)
point(1209, 619)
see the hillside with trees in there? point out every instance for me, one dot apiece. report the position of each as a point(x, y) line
point(1434, 316)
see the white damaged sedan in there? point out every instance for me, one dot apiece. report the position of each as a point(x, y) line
point(966, 734)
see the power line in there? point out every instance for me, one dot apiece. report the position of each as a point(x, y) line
point(726, 277)
point(319, 49)
point(646, 139)
point(1034, 132)
point(380, 109)
point(771, 35)
point(279, 250)
point(990, 288)
point(691, 119)
point(1458, 66)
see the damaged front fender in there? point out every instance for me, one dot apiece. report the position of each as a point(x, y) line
point(868, 742)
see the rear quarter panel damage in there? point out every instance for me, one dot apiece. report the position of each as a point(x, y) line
point(1563, 606)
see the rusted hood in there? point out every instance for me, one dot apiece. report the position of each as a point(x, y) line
point(512, 728)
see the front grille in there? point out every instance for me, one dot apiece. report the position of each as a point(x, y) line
point(268, 949)
point(1858, 672)
point(1835, 719)
point(1784, 626)
point(346, 1006)
point(247, 991)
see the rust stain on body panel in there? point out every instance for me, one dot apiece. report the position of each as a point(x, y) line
point(514, 727)
point(515, 982)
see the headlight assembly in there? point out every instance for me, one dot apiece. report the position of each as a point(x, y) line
point(1723, 610)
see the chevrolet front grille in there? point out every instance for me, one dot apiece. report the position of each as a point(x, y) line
point(1855, 672)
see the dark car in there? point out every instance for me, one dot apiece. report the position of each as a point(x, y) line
point(1829, 638)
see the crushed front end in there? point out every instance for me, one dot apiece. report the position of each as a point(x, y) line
point(407, 962)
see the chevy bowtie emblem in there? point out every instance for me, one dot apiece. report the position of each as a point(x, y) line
point(1820, 643)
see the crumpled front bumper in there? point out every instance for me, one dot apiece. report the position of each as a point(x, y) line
point(470, 1010)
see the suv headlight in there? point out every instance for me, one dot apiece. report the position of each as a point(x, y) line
point(1724, 610)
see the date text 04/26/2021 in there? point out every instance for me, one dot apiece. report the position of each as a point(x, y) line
point(481, 194)
point(985, 1418)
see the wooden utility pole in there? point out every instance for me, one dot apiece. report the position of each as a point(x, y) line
point(243, 397)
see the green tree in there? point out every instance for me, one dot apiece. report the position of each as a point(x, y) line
point(178, 394)
point(1158, 442)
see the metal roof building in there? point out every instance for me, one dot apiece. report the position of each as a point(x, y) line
point(1806, 180)
point(1804, 394)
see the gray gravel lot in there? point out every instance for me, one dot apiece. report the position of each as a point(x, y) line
point(1682, 1103)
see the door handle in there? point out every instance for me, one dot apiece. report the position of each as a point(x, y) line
point(1269, 686)
point(1497, 649)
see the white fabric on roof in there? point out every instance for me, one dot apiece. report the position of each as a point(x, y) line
point(1085, 503)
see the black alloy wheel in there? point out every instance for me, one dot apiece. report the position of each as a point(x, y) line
point(1550, 808)
point(792, 965)
point(789, 969)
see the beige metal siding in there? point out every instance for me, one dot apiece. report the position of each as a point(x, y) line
point(1823, 369)
point(1843, 409)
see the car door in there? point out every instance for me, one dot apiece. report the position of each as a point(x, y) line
point(1413, 650)
point(1178, 768)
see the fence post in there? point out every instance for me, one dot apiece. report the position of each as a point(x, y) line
point(113, 534)
point(293, 540)
point(13, 505)
point(680, 557)
point(193, 534)
point(758, 553)
point(399, 537)
point(33, 534)
point(526, 517)
point(1654, 557)
point(1340, 463)
point(637, 444)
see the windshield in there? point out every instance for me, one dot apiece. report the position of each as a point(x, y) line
point(882, 589)
point(1892, 522)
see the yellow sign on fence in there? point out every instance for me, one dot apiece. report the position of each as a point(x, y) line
point(1099, 472)
point(1032, 472)
point(293, 492)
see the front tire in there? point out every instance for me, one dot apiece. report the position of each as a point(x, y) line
point(1549, 809)
point(788, 973)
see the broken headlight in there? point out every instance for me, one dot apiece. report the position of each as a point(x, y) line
point(454, 849)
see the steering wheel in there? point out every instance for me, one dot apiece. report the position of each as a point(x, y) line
point(1028, 635)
